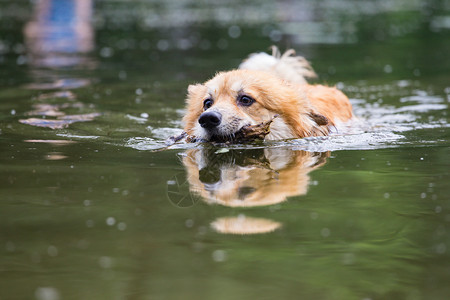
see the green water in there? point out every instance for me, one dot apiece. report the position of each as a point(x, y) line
point(91, 207)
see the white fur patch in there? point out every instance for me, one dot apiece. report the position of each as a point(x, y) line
point(237, 86)
point(199, 132)
point(279, 130)
point(259, 61)
point(288, 66)
point(213, 86)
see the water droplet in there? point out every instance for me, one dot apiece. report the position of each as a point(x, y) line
point(110, 221)
point(325, 232)
point(122, 226)
point(234, 31)
point(189, 223)
point(387, 69)
point(219, 255)
point(52, 251)
point(162, 45)
point(314, 216)
point(122, 75)
point(106, 52)
point(201, 230)
point(47, 293)
point(348, 259)
point(105, 262)
point(184, 44)
point(21, 60)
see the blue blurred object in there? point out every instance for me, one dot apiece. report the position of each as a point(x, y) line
point(59, 30)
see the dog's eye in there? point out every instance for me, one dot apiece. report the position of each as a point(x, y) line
point(245, 100)
point(207, 103)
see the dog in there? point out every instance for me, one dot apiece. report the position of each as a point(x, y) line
point(262, 88)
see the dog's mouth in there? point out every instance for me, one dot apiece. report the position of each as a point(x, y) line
point(247, 133)
point(217, 137)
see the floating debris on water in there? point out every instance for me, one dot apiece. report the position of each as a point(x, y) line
point(61, 122)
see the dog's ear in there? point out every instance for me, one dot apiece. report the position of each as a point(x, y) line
point(194, 106)
point(194, 89)
point(195, 93)
point(319, 119)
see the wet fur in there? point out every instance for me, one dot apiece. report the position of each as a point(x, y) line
point(304, 110)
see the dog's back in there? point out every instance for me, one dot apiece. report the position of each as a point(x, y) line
point(294, 69)
point(329, 101)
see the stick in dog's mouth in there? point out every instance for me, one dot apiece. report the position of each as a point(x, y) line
point(247, 133)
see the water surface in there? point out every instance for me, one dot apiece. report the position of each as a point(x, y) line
point(93, 207)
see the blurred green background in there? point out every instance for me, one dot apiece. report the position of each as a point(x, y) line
point(89, 88)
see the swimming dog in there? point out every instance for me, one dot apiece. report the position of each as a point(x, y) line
point(264, 88)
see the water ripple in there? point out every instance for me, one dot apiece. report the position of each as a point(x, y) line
point(376, 126)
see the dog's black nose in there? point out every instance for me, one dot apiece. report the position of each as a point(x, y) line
point(210, 119)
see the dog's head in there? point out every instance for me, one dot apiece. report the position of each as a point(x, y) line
point(231, 100)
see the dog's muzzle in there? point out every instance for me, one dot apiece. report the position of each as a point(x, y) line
point(210, 119)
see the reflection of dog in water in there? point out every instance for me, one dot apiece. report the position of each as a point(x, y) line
point(251, 177)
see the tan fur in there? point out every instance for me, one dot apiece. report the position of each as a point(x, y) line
point(304, 109)
point(244, 225)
